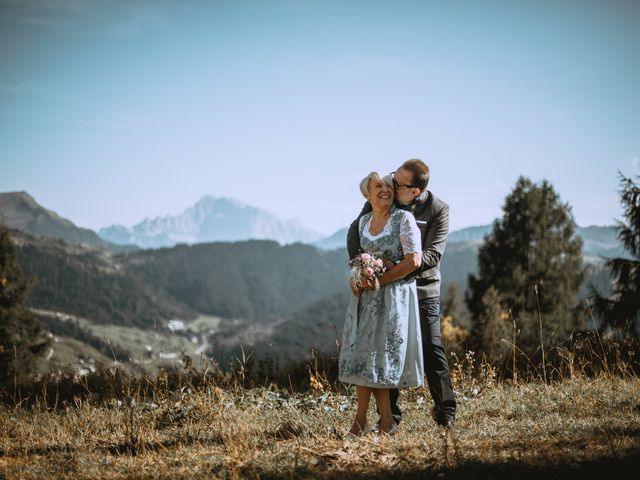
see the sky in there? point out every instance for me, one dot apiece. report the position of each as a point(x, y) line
point(114, 111)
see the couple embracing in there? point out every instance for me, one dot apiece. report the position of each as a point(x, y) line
point(391, 336)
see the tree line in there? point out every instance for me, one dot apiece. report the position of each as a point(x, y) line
point(530, 269)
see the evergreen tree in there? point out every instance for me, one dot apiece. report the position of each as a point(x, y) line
point(622, 309)
point(532, 248)
point(21, 336)
point(452, 304)
point(454, 320)
point(492, 326)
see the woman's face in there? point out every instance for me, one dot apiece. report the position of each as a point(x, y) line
point(380, 194)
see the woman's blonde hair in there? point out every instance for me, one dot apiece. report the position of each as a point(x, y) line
point(364, 183)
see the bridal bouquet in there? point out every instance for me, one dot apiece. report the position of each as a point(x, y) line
point(364, 268)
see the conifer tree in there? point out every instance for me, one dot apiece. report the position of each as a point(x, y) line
point(491, 327)
point(21, 336)
point(532, 247)
point(452, 304)
point(622, 309)
point(454, 321)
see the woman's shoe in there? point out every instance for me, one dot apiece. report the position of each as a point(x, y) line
point(392, 431)
point(354, 436)
point(350, 437)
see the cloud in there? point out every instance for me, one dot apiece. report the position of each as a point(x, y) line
point(58, 14)
point(119, 19)
point(41, 92)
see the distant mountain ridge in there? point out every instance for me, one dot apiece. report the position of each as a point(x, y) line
point(470, 234)
point(225, 220)
point(20, 211)
point(211, 219)
point(597, 240)
point(332, 242)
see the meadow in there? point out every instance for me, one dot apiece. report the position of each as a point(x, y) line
point(200, 424)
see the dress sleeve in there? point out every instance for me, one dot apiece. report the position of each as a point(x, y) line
point(363, 222)
point(409, 234)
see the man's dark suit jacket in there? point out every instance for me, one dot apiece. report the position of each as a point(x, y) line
point(432, 217)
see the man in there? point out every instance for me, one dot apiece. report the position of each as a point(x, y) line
point(432, 217)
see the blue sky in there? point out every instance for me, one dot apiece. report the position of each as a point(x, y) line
point(113, 111)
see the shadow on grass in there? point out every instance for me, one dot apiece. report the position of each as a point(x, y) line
point(618, 468)
point(132, 448)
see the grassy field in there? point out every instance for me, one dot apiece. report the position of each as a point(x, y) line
point(577, 428)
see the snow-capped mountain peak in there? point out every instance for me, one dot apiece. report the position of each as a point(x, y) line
point(208, 220)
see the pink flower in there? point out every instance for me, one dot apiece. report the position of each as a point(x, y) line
point(379, 262)
point(369, 271)
point(366, 256)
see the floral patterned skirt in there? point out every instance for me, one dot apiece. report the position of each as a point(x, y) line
point(381, 343)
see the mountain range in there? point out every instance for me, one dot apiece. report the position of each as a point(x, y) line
point(211, 220)
point(215, 219)
point(598, 241)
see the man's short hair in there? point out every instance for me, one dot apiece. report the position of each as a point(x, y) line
point(420, 172)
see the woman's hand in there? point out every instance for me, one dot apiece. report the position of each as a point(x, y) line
point(369, 284)
point(355, 289)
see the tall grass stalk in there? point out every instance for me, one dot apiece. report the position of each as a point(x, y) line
point(15, 372)
point(513, 351)
point(597, 330)
point(544, 367)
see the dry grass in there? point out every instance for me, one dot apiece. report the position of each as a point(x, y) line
point(572, 429)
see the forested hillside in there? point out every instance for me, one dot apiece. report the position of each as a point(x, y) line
point(90, 282)
point(255, 279)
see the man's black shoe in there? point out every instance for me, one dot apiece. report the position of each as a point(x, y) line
point(435, 414)
point(447, 420)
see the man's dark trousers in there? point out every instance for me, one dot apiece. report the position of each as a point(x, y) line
point(436, 366)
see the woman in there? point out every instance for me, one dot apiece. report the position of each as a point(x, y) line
point(381, 345)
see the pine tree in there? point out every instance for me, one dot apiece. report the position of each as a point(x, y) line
point(621, 310)
point(452, 305)
point(493, 326)
point(21, 336)
point(454, 321)
point(532, 248)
